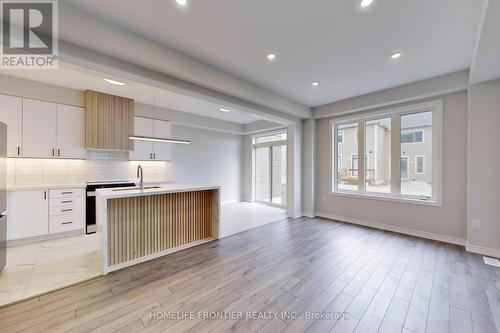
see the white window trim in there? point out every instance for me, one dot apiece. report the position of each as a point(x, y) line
point(407, 158)
point(423, 165)
point(437, 154)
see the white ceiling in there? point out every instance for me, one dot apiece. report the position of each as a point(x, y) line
point(338, 43)
point(79, 78)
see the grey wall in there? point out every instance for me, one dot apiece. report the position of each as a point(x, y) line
point(484, 159)
point(212, 158)
point(449, 220)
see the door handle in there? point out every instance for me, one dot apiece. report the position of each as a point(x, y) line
point(45, 195)
point(18, 151)
point(67, 201)
point(66, 210)
point(58, 152)
point(66, 222)
point(53, 152)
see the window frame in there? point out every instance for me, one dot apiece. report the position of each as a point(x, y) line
point(436, 106)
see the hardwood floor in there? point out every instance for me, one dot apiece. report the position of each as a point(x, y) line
point(306, 271)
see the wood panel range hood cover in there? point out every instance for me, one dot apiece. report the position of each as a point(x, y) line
point(109, 121)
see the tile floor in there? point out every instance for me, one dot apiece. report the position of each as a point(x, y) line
point(36, 268)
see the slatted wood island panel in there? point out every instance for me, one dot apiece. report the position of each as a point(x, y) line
point(142, 227)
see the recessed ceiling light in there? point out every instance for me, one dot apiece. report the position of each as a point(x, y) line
point(224, 110)
point(116, 83)
point(366, 3)
point(395, 55)
point(181, 2)
point(271, 56)
point(315, 83)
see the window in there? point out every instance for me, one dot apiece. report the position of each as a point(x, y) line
point(419, 164)
point(377, 151)
point(270, 168)
point(347, 175)
point(412, 137)
point(340, 137)
point(354, 166)
point(404, 165)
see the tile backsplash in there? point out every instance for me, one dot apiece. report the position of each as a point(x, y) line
point(99, 166)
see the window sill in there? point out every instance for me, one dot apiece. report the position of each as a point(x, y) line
point(411, 201)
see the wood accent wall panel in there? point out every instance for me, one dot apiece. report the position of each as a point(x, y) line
point(109, 121)
point(140, 226)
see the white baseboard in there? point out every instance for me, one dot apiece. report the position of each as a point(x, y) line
point(308, 214)
point(401, 230)
point(36, 239)
point(485, 251)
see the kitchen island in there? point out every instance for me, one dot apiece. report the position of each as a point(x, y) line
point(139, 225)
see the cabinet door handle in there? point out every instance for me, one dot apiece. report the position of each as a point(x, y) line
point(66, 192)
point(45, 195)
point(18, 151)
point(154, 156)
point(67, 201)
point(66, 222)
point(66, 210)
point(58, 152)
point(53, 152)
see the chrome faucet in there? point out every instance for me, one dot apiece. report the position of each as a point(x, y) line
point(139, 175)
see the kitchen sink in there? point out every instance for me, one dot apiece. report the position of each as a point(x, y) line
point(135, 188)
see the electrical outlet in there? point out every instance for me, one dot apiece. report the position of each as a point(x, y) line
point(476, 223)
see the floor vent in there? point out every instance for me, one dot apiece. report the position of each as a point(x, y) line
point(491, 261)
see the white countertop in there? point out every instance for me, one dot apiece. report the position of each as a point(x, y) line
point(12, 188)
point(161, 189)
point(33, 187)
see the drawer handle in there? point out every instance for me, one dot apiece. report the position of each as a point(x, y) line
point(66, 222)
point(66, 210)
point(67, 201)
point(67, 193)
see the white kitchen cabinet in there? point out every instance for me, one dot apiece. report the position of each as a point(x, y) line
point(142, 149)
point(161, 150)
point(66, 210)
point(28, 214)
point(39, 128)
point(70, 131)
point(35, 213)
point(11, 114)
point(147, 150)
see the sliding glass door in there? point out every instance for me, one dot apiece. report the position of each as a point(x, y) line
point(270, 169)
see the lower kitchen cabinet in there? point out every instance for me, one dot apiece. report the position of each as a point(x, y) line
point(28, 214)
point(37, 213)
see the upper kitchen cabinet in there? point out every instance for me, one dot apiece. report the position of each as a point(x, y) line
point(11, 113)
point(108, 121)
point(143, 150)
point(70, 131)
point(52, 130)
point(161, 150)
point(151, 150)
point(39, 129)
